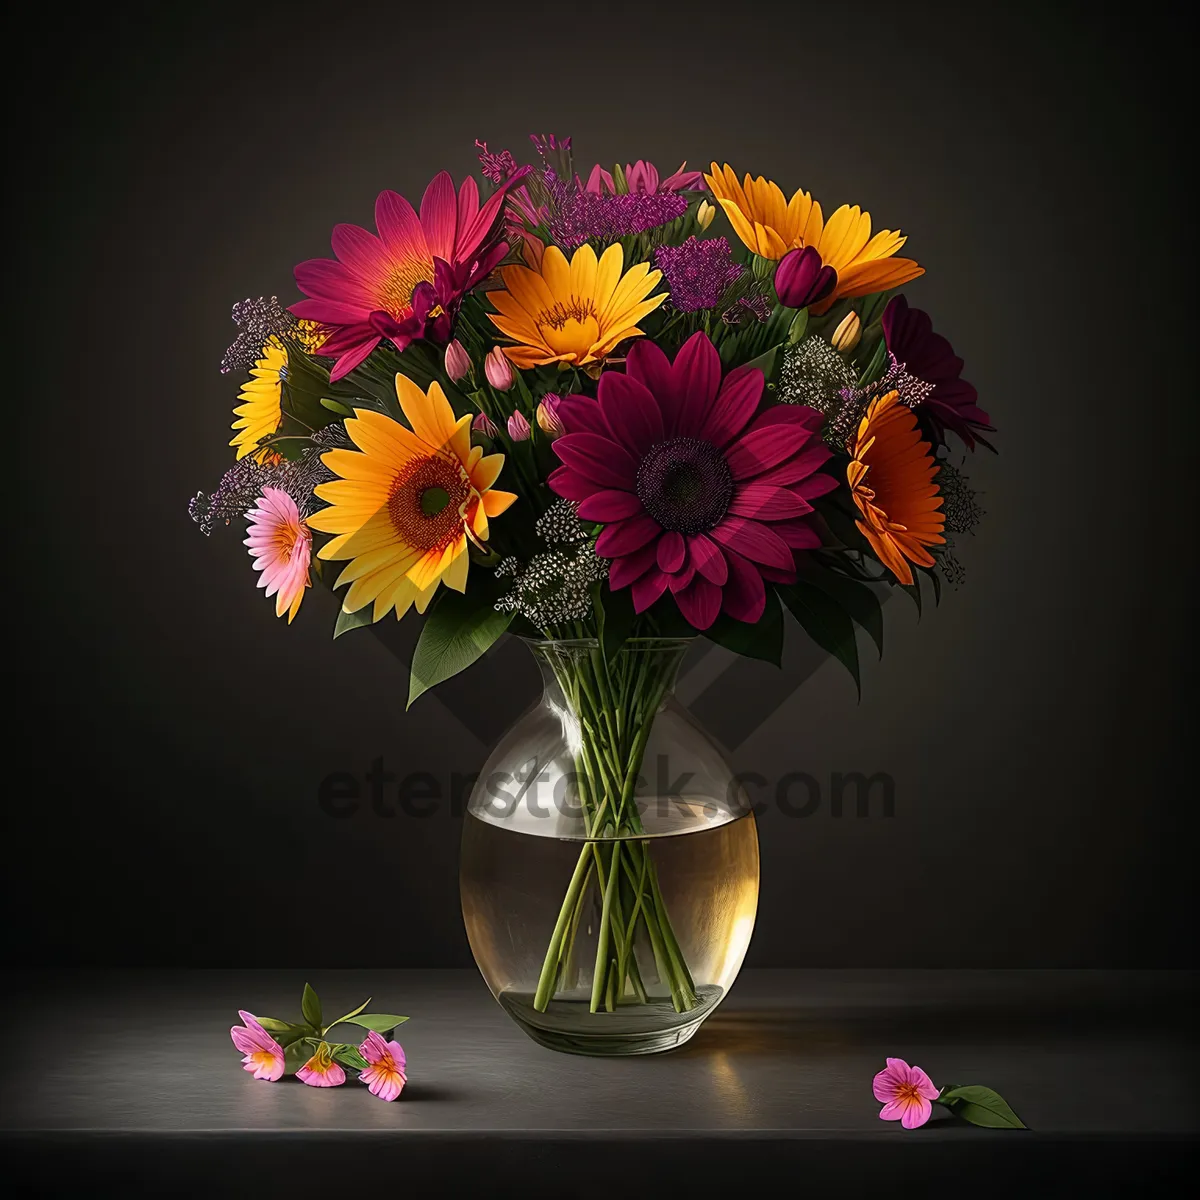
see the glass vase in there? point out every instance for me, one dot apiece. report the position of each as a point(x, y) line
point(610, 858)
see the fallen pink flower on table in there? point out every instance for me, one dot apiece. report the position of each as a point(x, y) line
point(385, 1076)
point(262, 1054)
point(321, 1070)
point(905, 1092)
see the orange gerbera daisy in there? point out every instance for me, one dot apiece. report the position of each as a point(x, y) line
point(771, 226)
point(573, 312)
point(891, 478)
point(405, 506)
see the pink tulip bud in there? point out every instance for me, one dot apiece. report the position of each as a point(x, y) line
point(498, 370)
point(485, 425)
point(518, 428)
point(548, 417)
point(802, 278)
point(458, 361)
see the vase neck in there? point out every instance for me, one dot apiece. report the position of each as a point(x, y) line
point(643, 663)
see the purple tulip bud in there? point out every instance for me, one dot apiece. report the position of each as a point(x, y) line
point(518, 428)
point(802, 279)
point(498, 370)
point(485, 425)
point(458, 361)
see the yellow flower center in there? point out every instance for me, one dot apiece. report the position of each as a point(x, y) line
point(263, 1058)
point(907, 1093)
point(427, 502)
point(396, 291)
point(570, 325)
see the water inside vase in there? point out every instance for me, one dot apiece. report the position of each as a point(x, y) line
point(514, 877)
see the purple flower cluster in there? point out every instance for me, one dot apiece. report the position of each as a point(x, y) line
point(581, 216)
point(498, 166)
point(697, 273)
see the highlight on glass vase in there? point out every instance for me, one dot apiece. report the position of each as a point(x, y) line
point(609, 412)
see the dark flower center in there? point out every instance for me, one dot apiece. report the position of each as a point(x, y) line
point(685, 484)
point(426, 504)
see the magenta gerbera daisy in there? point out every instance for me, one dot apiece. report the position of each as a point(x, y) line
point(698, 494)
point(408, 282)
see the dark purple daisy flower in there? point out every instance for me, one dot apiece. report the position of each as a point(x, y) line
point(953, 402)
point(698, 494)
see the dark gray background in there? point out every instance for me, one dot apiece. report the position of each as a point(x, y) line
point(163, 806)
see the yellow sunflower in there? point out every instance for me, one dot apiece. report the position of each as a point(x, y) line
point(261, 413)
point(573, 312)
point(771, 225)
point(891, 478)
point(404, 507)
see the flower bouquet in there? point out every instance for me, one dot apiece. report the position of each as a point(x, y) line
point(608, 414)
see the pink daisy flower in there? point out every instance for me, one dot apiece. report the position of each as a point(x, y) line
point(280, 544)
point(905, 1092)
point(262, 1054)
point(385, 1076)
point(322, 1070)
point(408, 282)
point(699, 492)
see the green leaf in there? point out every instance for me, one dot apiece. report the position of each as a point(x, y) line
point(826, 622)
point(336, 406)
point(856, 598)
point(284, 1032)
point(380, 1022)
point(349, 1056)
point(297, 1054)
point(310, 1007)
point(913, 591)
point(765, 362)
point(981, 1106)
point(615, 611)
point(355, 620)
point(352, 1013)
point(460, 628)
point(762, 640)
point(798, 326)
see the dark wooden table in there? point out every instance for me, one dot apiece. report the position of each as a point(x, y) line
point(129, 1079)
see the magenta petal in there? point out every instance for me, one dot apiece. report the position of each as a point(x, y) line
point(700, 602)
point(326, 312)
point(474, 234)
point(467, 211)
point(744, 596)
point(623, 537)
point(570, 485)
point(599, 459)
point(581, 414)
point(916, 1113)
point(629, 567)
point(695, 380)
point(672, 551)
point(650, 366)
point(351, 359)
point(361, 251)
point(646, 591)
point(707, 557)
point(760, 449)
point(754, 541)
point(893, 1110)
point(324, 279)
point(799, 535)
point(924, 1085)
point(765, 502)
point(439, 215)
point(609, 505)
point(734, 406)
point(399, 227)
point(630, 412)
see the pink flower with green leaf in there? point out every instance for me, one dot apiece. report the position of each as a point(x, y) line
point(262, 1054)
point(905, 1092)
point(322, 1070)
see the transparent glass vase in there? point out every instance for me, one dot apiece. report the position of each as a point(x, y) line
point(610, 858)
